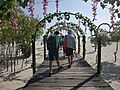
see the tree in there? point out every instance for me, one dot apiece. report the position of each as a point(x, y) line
point(19, 36)
point(6, 6)
point(115, 37)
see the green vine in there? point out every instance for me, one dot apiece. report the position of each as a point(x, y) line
point(85, 20)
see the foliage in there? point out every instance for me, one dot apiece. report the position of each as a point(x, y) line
point(74, 27)
point(84, 20)
point(105, 40)
point(23, 34)
point(116, 33)
point(6, 6)
point(23, 3)
point(26, 28)
point(115, 36)
point(107, 2)
point(104, 3)
point(108, 37)
point(26, 49)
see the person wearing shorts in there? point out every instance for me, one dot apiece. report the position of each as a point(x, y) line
point(71, 45)
point(53, 52)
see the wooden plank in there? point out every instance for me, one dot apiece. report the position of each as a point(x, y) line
point(65, 72)
point(73, 69)
point(72, 75)
point(67, 88)
point(71, 79)
point(69, 84)
point(65, 69)
point(65, 78)
point(80, 76)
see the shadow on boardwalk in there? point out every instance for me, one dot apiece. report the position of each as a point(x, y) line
point(84, 82)
point(43, 75)
point(80, 76)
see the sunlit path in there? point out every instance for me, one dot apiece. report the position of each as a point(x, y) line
point(80, 76)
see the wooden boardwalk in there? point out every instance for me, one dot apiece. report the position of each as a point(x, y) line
point(80, 76)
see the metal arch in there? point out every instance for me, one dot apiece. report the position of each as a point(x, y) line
point(77, 15)
point(104, 24)
point(60, 13)
point(60, 27)
point(99, 48)
point(76, 29)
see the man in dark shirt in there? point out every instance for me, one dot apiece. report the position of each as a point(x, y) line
point(53, 49)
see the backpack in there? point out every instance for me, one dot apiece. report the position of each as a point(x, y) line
point(61, 41)
point(51, 43)
point(65, 43)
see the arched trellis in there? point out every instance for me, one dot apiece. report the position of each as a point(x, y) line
point(71, 25)
point(76, 29)
point(84, 20)
point(99, 47)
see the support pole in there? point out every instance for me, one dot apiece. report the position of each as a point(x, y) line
point(84, 50)
point(44, 41)
point(99, 55)
point(78, 44)
point(99, 47)
point(33, 54)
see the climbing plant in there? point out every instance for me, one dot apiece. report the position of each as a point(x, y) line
point(61, 26)
point(84, 20)
point(106, 39)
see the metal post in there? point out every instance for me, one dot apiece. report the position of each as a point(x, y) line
point(99, 48)
point(84, 38)
point(44, 41)
point(99, 55)
point(33, 54)
point(78, 44)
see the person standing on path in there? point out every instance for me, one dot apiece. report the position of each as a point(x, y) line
point(71, 45)
point(53, 49)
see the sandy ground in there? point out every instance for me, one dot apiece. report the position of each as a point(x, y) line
point(110, 69)
point(10, 82)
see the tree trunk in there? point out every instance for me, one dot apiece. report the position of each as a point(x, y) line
point(7, 56)
point(116, 51)
point(22, 63)
point(11, 51)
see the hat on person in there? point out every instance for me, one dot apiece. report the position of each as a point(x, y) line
point(69, 31)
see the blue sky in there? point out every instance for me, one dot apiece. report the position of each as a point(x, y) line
point(103, 16)
point(73, 6)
